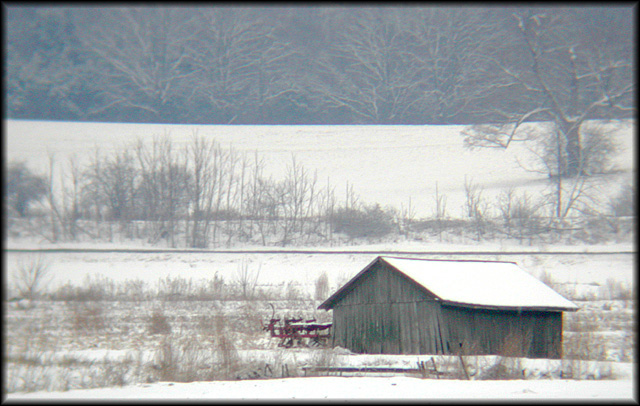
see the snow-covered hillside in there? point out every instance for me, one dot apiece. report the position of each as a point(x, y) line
point(390, 165)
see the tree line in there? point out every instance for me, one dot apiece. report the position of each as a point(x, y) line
point(322, 65)
point(199, 194)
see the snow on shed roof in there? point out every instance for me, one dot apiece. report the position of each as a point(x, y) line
point(471, 283)
point(478, 283)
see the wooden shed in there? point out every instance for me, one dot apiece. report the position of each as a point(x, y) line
point(421, 306)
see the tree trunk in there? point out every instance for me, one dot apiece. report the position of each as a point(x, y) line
point(574, 151)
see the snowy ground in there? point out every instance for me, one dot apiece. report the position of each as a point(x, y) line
point(372, 388)
point(304, 268)
point(125, 332)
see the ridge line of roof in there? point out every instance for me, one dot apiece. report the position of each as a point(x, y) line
point(449, 260)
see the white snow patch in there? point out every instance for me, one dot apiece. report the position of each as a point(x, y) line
point(481, 283)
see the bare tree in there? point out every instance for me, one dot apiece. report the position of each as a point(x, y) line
point(475, 207)
point(242, 66)
point(406, 216)
point(624, 203)
point(327, 208)
point(521, 215)
point(32, 276)
point(113, 185)
point(247, 279)
point(46, 71)
point(164, 186)
point(562, 77)
point(55, 215)
point(253, 204)
point(322, 286)
point(441, 211)
point(295, 194)
point(202, 158)
point(450, 46)
point(73, 183)
point(143, 53)
point(367, 72)
point(22, 187)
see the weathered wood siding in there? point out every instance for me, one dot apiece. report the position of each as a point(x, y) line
point(483, 331)
point(387, 313)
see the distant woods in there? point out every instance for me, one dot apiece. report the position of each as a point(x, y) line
point(320, 65)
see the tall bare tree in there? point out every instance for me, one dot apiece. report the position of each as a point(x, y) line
point(202, 159)
point(142, 55)
point(450, 46)
point(561, 76)
point(241, 63)
point(368, 72)
point(164, 185)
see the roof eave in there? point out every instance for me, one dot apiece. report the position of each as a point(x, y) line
point(510, 308)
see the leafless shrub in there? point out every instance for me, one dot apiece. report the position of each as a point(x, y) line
point(616, 290)
point(579, 339)
point(93, 288)
point(322, 357)
point(174, 288)
point(112, 373)
point(546, 278)
point(322, 287)
point(293, 291)
point(246, 280)
point(362, 222)
point(475, 207)
point(32, 276)
point(180, 360)
point(166, 361)
point(623, 204)
point(581, 369)
point(133, 290)
point(225, 351)
point(159, 323)
point(504, 368)
point(520, 215)
point(509, 364)
point(251, 318)
point(212, 288)
point(87, 317)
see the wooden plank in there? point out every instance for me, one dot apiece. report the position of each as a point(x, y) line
point(363, 369)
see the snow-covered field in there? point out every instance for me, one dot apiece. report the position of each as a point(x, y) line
point(361, 388)
point(385, 164)
point(304, 268)
point(123, 332)
point(390, 165)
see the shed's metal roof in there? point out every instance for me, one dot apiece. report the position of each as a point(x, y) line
point(483, 284)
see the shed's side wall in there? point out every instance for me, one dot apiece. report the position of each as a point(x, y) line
point(384, 313)
point(535, 334)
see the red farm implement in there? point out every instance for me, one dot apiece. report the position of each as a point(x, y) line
point(299, 332)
